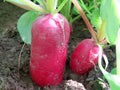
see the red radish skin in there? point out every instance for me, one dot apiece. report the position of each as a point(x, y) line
point(84, 57)
point(50, 36)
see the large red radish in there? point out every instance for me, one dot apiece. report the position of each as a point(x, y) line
point(50, 36)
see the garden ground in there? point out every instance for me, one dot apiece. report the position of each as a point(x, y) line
point(13, 77)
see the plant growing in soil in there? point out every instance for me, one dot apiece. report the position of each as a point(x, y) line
point(85, 55)
point(108, 31)
point(51, 32)
point(49, 38)
point(111, 27)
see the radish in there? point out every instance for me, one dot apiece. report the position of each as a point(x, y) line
point(84, 57)
point(50, 36)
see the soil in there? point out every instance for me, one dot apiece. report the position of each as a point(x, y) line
point(15, 77)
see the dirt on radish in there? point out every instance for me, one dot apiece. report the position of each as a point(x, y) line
point(10, 47)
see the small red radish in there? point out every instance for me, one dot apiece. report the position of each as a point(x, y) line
point(84, 57)
point(50, 36)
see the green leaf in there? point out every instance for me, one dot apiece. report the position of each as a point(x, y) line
point(64, 6)
point(19, 3)
point(50, 5)
point(118, 53)
point(75, 11)
point(95, 18)
point(114, 80)
point(113, 71)
point(97, 85)
point(27, 4)
point(39, 1)
point(110, 13)
point(24, 25)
